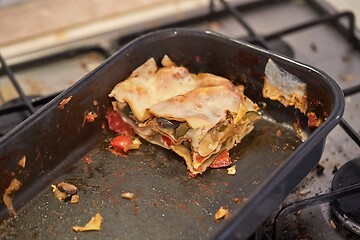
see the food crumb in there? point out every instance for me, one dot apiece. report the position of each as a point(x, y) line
point(332, 224)
point(279, 133)
point(67, 188)
point(231, 170)
point(128, 195)
point(74, 199)
point(64, 102)
point(313, 47)
point(335, 169)
point(59, 195)
point(223, 212)
point(22, 161)
point(65, 191)
point(304, 192)
point(89, 117)
point(88, 160)
point(236, 199)
point(12, 188)
point(319, 169)
point(93, 225)
point(95, 103)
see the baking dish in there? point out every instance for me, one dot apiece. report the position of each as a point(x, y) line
point(58, 144)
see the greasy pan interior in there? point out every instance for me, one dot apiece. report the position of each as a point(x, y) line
point(168, 204)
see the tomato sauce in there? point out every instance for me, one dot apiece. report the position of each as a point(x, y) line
point(222, 160)
point(117, 124)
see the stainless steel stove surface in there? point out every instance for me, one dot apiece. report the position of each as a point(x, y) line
point(322, 46)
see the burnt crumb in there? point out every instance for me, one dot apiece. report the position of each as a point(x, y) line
point(313, 47)
point(347, 77)
point(346, 58)
point(319, 169)
point(335, 169)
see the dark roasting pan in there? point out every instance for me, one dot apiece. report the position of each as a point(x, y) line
point(168, 204)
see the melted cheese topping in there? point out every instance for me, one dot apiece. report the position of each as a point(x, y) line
point(149, 85)
point(201, 107)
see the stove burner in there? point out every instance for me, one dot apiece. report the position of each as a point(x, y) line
point(347, 209)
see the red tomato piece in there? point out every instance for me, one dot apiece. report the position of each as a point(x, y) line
point(222, 160)
point(167, 141)
point(121, 143)
point(117, 124)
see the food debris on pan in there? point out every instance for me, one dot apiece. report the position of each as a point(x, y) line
point(222, 213)
point(300, 131)
point(123, 143)
point(74, 199)
point(22, 161)
point(332, 224)
point(65, 191)
point(13, 187)
point(89, 117)
point(231, 170)
point(128, 195)
point(236, 200)
point(313, 120)
point(93, 225)
point(64, 102)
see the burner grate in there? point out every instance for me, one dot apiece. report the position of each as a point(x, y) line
point(26, 103)
point(17, 110)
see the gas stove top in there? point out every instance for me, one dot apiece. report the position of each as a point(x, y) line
point(308, 31)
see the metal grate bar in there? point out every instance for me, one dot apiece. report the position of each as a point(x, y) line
point(347, 15)
point(351, 90)
point(21, 106)
point(28, 105)
point(350, 131)
point(261, 41)
point(326, 197)
point(322, 8)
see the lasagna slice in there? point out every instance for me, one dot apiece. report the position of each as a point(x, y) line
point(198, 116)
